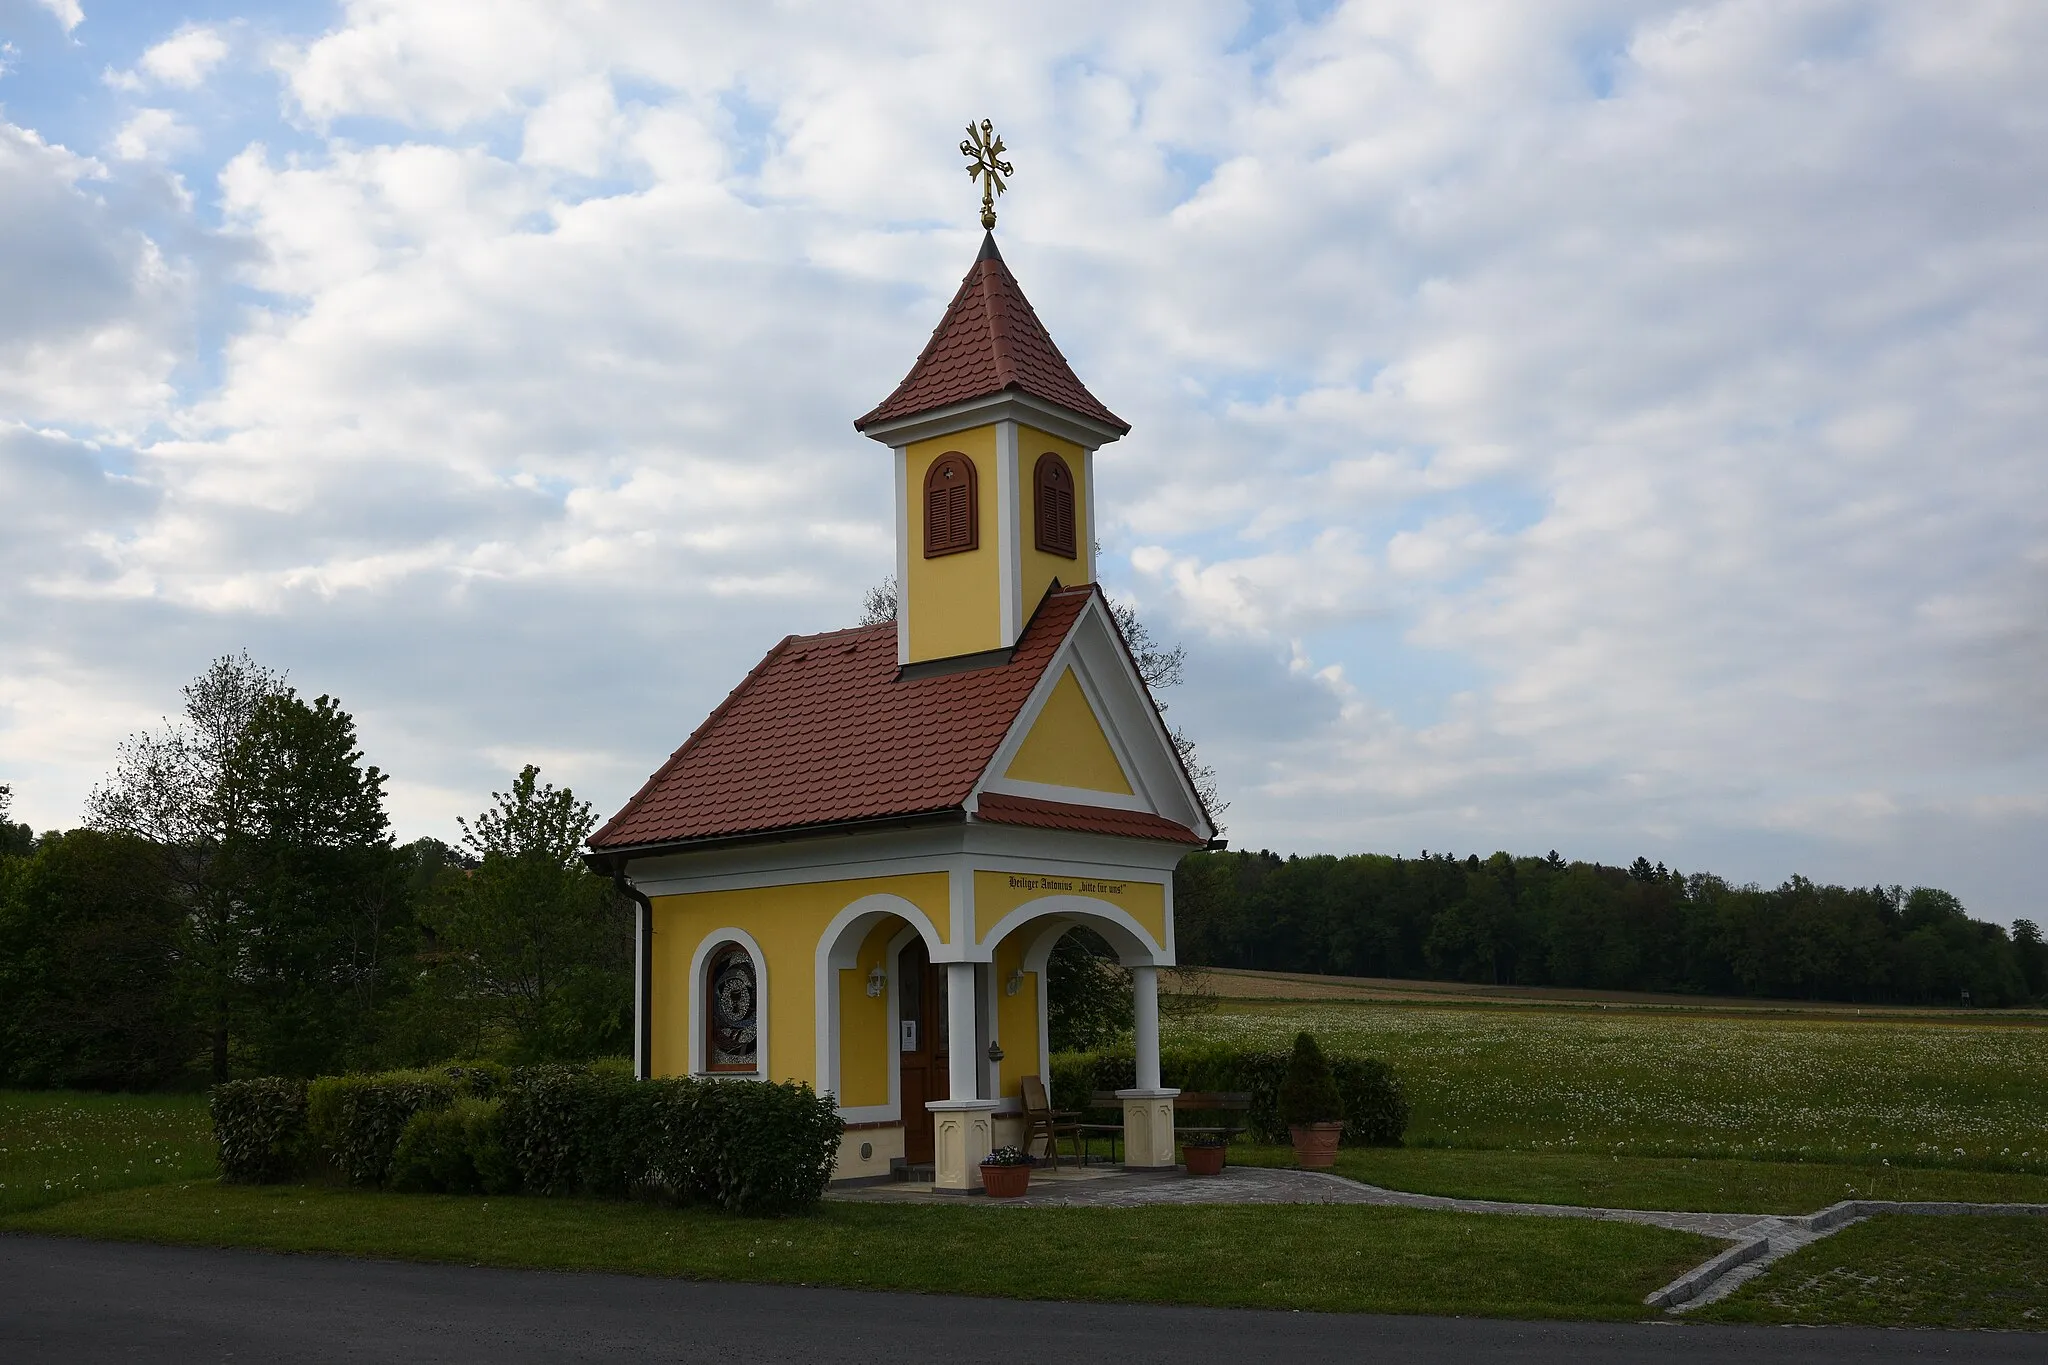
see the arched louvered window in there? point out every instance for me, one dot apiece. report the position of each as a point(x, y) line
point(1053, 501)
point(732, 1024)
point(951, 523)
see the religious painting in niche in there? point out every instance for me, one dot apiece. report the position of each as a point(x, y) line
point(732, 1003)
point(950, 521)
point(1054, 505)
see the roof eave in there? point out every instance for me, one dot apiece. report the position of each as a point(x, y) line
point(1013, 404)
point(609, 858)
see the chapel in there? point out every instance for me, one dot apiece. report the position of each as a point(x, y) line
point(853, 871)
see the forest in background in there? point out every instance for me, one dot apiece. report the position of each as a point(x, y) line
point(1543, 921)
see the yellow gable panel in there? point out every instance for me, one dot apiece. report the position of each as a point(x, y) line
point(1066, 746)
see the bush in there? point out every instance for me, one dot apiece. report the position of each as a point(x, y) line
point(743, 1146)
point(260, 1125)
point(738, 1145)
point(1308, 1092)
point(1375, 1110)
point(766, 1148)
point(456, 1150)
point(355, 1121)
point(567, 1130)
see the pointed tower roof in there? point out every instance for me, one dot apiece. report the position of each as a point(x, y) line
point(989, 342)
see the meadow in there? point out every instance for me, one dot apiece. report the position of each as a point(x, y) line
point(1883, 1089)
point(1697, 1108)
point(57, 1145)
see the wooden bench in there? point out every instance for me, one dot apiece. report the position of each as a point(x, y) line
point(1187, 1101)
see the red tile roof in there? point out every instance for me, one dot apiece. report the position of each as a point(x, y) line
point(1134, 824)
point(823, 732)
point(989, 342)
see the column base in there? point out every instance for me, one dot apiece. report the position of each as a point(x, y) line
point(963, 1132)
point(1148, 1128)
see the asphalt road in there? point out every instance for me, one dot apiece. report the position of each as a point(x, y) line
point(64, 1300)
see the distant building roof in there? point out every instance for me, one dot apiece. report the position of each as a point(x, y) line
point(989, 342)
point(824, 732)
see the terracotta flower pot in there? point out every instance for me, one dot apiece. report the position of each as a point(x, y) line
point(1203, 1160)
point(1005, 1182)
point(1315, 1144)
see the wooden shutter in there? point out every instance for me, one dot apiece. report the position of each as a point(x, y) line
point(951, 521)
point(1053, 506)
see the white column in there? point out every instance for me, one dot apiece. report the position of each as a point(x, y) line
point(963, 1126)
point(1145, 1002)
point(962, 1066)
point(1148, 1106)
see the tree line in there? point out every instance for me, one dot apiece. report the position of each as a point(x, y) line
point(235, 902)
point(1546, 922)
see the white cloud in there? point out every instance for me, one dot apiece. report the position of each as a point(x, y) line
point(186, 58)
point(153, 135)
point(1606, 425)
point(68, 12)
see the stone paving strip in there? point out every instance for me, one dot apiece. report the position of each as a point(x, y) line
point(1759, 1238)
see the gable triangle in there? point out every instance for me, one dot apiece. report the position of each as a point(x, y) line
point(1066, 745)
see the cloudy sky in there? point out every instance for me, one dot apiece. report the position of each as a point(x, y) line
point(1605, 426)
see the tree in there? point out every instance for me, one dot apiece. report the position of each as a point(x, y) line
point(536, 946)
point(1088, 997)
point(89, 989)
point(175, 789)
point(323, 925)
point(879, 605)
point(15, 840)
point(2033, 956)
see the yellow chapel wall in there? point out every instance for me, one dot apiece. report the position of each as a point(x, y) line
point(1016, 1015)
point(954, 603)
point(787, 922)
point(996, 894)
point(1040, 568)
point(1066, 746)
point(866, 1051)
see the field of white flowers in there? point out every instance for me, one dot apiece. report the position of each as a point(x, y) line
point(1885, 1090)
point(59, 1144)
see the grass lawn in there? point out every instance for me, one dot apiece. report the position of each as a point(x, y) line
point(58, 1144)
point(1901, 1271)
point(1321, 1257)
point(1703, 1185)
point(1923, 1092)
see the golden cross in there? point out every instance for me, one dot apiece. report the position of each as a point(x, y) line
point(984, 151)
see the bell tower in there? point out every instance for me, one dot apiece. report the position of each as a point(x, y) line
point(993, 440)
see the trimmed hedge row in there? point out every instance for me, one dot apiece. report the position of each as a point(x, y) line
point(743, 1146)
point(1375, 1111)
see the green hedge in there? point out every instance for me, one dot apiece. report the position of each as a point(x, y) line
point(1375, 1111)
point(743, 1146)
point(459, 1149)
point(261, 1126)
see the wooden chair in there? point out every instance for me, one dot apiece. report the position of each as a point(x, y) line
point(1042, 1120)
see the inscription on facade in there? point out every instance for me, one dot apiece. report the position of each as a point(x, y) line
point(1072, 885)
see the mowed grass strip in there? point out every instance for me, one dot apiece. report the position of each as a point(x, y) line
point(1700, 1185)
point(1320, 1257)
point(1904, 1270)
point(55, 1145)
point(1823, 1087)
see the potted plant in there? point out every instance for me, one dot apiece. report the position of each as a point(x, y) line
point(1006, 1172)
point(1310, 1105)
point(1204, 1152)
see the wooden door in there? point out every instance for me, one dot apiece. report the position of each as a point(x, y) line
point(921, 1044)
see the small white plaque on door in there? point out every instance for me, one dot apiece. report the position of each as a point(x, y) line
point(909, 1035)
